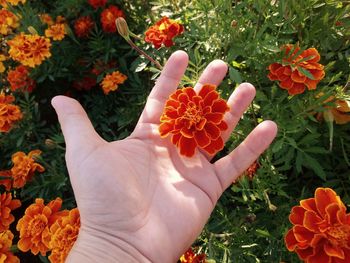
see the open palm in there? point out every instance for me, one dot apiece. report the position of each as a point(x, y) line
point(139, 199)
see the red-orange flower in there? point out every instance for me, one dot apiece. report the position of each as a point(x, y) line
point(195, 120)
point(190, 257)
point(97, 3)
point(19, 79)
point(34, 226)
point(6, 206)
point(83, 26)
point(163, 32)
point(8, 22)
point(321, 231)
point(24, 167)
point(7, 183)
point(9, 113)
point(56, 31)
point(108, 17)
point(6, 256)
point(64, 233)
point(297, 71)
point(111, 81)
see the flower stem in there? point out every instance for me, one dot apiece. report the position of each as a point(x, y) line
point(143, 53)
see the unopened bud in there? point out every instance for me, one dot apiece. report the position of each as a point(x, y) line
point(122, 27)
point(32, 30)
point(234, 23)
point(50, 144)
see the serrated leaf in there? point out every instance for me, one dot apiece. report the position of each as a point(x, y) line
point(313, 164)
point(277, 146)
point(235, 75)
point(306, 73)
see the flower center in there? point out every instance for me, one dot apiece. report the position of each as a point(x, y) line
point(193, 115)
point(339, 235)
point(37, 225)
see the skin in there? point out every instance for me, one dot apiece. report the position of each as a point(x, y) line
point(139, 199)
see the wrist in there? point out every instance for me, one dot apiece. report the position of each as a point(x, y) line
point(96, 246)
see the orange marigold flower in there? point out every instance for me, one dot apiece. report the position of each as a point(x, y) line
point(6, 182)
point(8, 22)
point(46, 19)
point(83, 26)
point(56, 31)
point(24, 167)
point(6, 206)
point(97, 3)
point(321, 231)
point(29, 50)
point(297, 71)
point(195, 120)
point(11, 2)
point(34, 226)
point(64, 233)
point(9, 113)
point(163, 32)
point(6, 256)
point(19, 79)
point(111, 81)
point(108, 17)
point(341, 112)
point(191, 257)
point(2, 66)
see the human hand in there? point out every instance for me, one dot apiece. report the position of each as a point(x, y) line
point(139, 199)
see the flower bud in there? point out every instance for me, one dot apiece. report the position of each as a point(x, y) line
point(122, 27)
point(234, 23)
point(50, 144)
point(32, 30)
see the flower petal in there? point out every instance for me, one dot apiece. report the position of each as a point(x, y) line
point(319, 257)
point(297, 88)
point(210, 98)
point(202, 139)
point(214, 117)
point(309, 204)
point(206, 89)
point(312, 221)
point(187, 146)
point(324, 197)
point(286, 84)
point(298, 77)
point(304, 253)
point(302, 234)
point(296, 216)
point(212, 130)
point(222, 126)
point(215, 146)
point(291, 242)
point(219, 106)
point(333, 251)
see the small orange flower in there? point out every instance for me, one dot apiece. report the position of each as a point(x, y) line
point(64, 233)
point(9, 113)
point(6, 206)
point(6, 256)
point(111, 81)
point(46, 19)
point(97, 3)
point(29, 50)
point(34, 226)
point(341, 112)
point(19, 79)
point(56, 31)
point(6, 182)
point(108, 17)
point(252, 169)
point(195, 120)
point(292, 73)
point(163, 32)
point(321, 231)
point(2, 66)
point(83, 26)
point(8, 22)
point(24, 167)
point(191, 257)
point(11, 2)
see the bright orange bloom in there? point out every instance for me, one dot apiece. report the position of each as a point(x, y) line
point(163, 32)
point(6, 256)
point(6, 182)
point(11, 2)
point(34, 226)
point(108, 17)
point(195, 120)
point(9, 113)
point(97, 3)
point(64, 233)
point(46, 19)
point(8, 22)
point(19, 79)
point(83, 26)
point(56, 31)
point(24, 167)
point(111, 81)
point(321, 231)
point(191, 257)
point(297, 71)
point(341, 112)
point(2, 66)
point(6, 206)
point(29, 50)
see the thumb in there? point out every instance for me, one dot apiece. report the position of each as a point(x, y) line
point(79, 134)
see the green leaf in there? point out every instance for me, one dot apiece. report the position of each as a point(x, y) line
point(235, 75)
point(313, 164)
point(277, 145)
point(306, 73)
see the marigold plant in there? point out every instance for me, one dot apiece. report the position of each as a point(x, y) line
point(321, 231)
point(19, 79)
point(29, 50)
point(297, 71)
point(6, 255)
point(64, 233)
point(190, 257)
point(56, 31)
point(9, 113)
point(5, 3)
point(97, 3)
point(34, 226)
point(108, 17)
point(6, 179)
point(83, 25)
point(8, 22)
point(24, 167)
point(163, 32)
point(111, 81)
point(7, 204)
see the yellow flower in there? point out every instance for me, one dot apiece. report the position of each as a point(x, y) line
point(8, 22)
point(6, 255)
point(9, 113)
point(56, 31)
point(30, 50)
point(11, 2)
point(111, 81)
